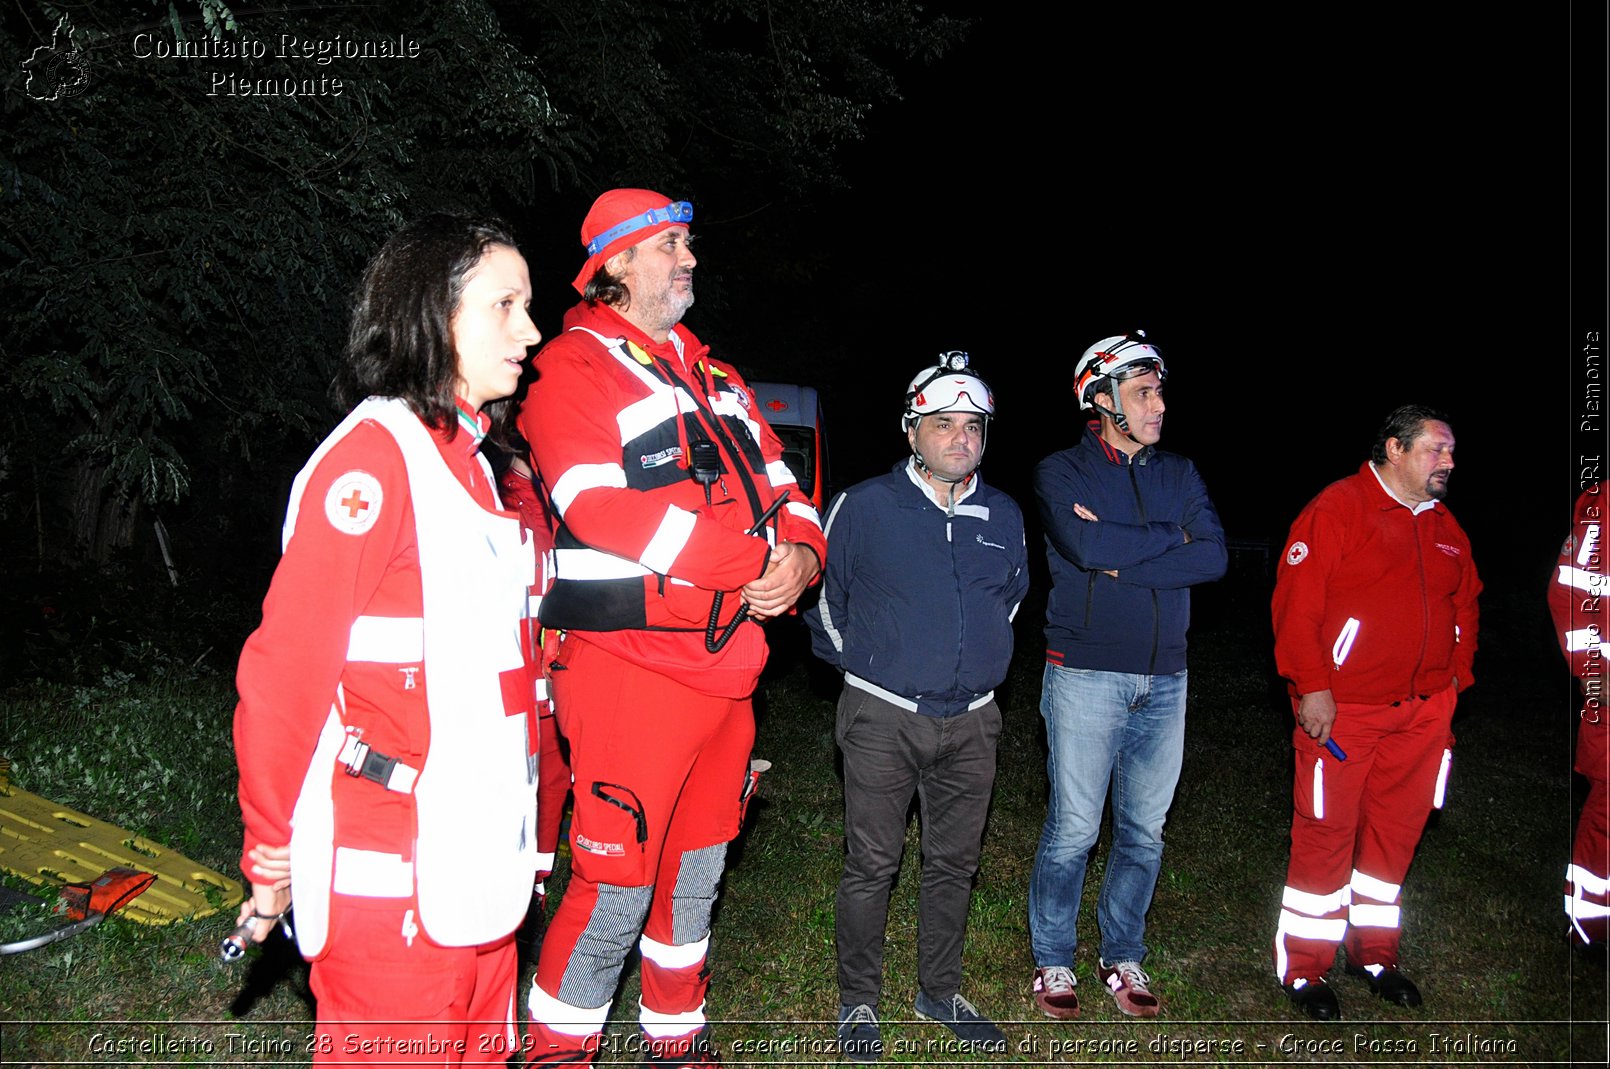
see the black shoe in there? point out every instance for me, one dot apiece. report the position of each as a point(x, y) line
point(1316, 999)
point(860, 1039)
point(963, 1020)
point(1390, 984)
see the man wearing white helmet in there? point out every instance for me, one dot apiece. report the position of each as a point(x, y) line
point(926, 567)
point(1129, 529)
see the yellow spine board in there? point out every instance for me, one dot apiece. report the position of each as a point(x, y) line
point(46, 843)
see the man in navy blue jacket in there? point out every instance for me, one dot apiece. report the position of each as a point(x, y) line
point(1128, 529)
point(925, 568)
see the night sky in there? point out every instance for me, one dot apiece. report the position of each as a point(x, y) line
point(1315, 220)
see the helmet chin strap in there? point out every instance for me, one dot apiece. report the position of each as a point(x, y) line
point(1118, 418)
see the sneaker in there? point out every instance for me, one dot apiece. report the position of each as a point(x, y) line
point(1129, 986)
point(963, 1019)
point(1054, 993)
point(859, 1037)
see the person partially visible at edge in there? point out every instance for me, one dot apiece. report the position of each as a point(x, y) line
point(1576, 598)
point(521, 493)
point(926, 567)
point(1129, 529)
point(385, 721)
point(1375, 623)
point(662, 472)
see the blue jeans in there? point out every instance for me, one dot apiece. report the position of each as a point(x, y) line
point(1104, 727)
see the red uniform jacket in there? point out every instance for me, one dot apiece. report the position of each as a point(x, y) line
point(1374, 602)
point(639, 552)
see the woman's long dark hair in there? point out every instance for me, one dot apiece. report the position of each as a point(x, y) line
point(401, 340)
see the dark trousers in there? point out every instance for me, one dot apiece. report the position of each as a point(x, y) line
point(890, 754)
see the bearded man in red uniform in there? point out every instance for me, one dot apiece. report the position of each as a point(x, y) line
point(664, 477)
point(1375, 629)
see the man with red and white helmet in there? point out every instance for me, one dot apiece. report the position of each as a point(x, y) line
point(1129, 529)
point(674, 540)
point(926, 567)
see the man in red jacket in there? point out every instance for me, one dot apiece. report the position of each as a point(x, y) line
point(1576, 601)
point(1375, 629)
point(672, 543)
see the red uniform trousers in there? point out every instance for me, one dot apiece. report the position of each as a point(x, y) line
point(659, 768)
point(1354, 827)
point(389, 996)
point(1587, 881)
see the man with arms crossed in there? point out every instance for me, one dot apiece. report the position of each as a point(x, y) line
point(1129, 530)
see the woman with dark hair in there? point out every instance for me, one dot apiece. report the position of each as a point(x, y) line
point(385, 726)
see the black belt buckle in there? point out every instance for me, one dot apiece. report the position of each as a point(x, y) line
point(371, 764)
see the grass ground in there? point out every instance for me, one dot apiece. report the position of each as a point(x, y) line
point(1483, 930)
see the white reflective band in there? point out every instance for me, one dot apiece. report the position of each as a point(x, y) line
point(372, 874)
point(1370, 887)
point(824, 603)
point(779, 474)
point(1583, 910)
point(1315, 905)
point(564, 1018)
point(1344, 641)
point(1590, 545)
point(905, 703)
point(667, 956)
point(387, 639)
point(977, 512)
point(539, 687)
point(668, 541)
point(1319, 788)
point(1582, 579)
point(1331, 931)
point(872, 688)
point(1580, 911)
point(804, 512)
point(594, 564)
point(1586, 882)
point(1583, 638)
point(642, 416)
point(669, 1025)
point(1441, 792)
point(586, 477)
point(1365, 916)
point(545, 862)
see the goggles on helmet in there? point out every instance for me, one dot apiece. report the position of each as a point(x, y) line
point(1119, 357)
point(948, 387)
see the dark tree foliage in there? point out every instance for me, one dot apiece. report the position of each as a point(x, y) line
point(187, 203)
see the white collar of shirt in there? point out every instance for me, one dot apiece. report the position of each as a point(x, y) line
point(957, 496)
point(1416, 509)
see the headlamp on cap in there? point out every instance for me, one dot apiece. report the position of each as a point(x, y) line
point(947, 387)
point(679, 212)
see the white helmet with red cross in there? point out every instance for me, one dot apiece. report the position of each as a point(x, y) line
point(1110, 361)
point(947, 387)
